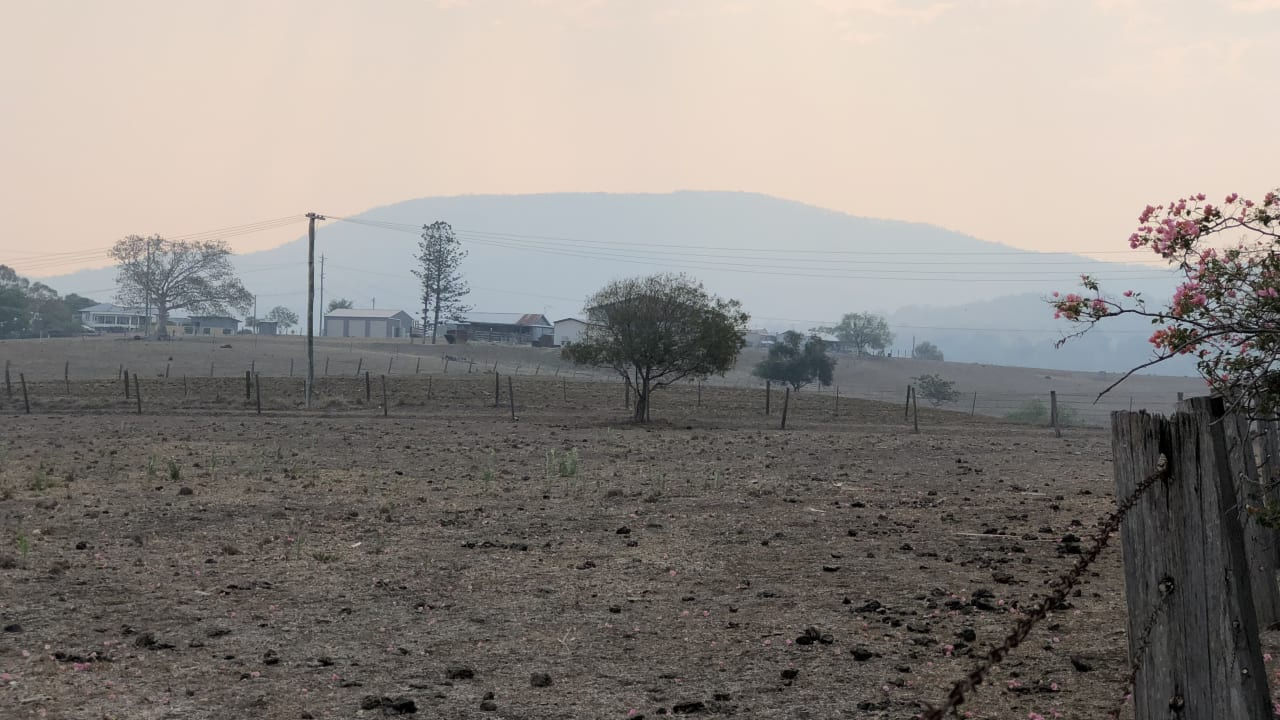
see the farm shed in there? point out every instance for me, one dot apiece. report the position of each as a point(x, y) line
point(367, 322)
point(212, 325)
point(568, 330)
point(516, 328)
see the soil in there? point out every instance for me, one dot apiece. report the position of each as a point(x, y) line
point(447, 561)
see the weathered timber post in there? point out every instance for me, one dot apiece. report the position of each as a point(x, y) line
point(786, 402)
point(137, 392)
point(446, 366)
point(915, 411)
point(368, 391)
point(418, 368)
point(768, 393)
point(26, 401)
point(359, 366)
point(326, 364)
point(511, 395)
point(257, 382)
point(1185, 566)
point(290, 367)
point(385, 406)
point(906, 410)
point(66, 375)
point(248, 384)
point(126, 385)
point(974, 407)
point(167, 367)
point(389, 361)
point(497, 387)
point(1053, 413)
point(8, 384)
point(1259, 541)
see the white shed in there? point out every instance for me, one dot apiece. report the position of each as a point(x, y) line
point(367, 322)
point(568, 330)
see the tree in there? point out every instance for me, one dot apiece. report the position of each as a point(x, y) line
point(172, 275)
point(33, 308)
point(927, 351)
point(936, 390)
point(282, 316)
point(797, 364)
point(861, 332)
point(658, 330)
point(1225, 312)
point(339, 304)
point(440, 257)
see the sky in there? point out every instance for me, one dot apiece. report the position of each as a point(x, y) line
point(1039, 124)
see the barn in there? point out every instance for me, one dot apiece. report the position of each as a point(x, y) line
point(367, 322)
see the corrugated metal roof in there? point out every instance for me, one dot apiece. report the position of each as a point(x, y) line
point(364, 313)
point(526, 319)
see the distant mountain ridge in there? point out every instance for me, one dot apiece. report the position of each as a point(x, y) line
point(792, 265)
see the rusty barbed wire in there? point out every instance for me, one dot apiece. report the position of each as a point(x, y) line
point(1166, 588)
point(1061, 587)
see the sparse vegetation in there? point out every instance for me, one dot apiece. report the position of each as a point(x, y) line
point(796, 364)
point(936, 389)
point(927, 351)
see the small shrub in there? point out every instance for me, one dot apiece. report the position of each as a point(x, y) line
point(936, 389)
point(175, 471)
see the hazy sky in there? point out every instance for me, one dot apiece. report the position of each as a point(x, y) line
point(1040, 124)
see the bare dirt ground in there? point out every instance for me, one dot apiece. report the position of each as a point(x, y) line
point(208, 562)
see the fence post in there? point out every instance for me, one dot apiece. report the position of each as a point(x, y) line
point(836, 405)
point(786, 402)
point(137, 392)
point(446, 366)
point(906, 410)
point(167, 367)
point(1185, 568)
point(428, 388)
point(248, 384)
point(497, 387)
point(359, 367)
point(290, 367)
point(126, 384)
point(1053, 413)
point(26, 402)
point(210, 368)
point(385, 407)
point(257, 383)
point(66, 375)
point(418, 368)
point(368, 391)
point(326, 364)
point(1259, 541)
point(564, 389)
point(389, 361)
point(768, 394)
point(915, 411)
point(974, 407)
point(8, 385)
point(511, 395)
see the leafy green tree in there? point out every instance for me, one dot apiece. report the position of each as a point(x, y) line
point(33, 308)
point(936, 390)
point(861, 333)
point(797, 361)
point(282, 316)
point(658, 330)
point(440, 257)
point(927, 351)
point(339, 304)
point(171, 275)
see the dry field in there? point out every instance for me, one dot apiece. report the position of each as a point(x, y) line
point(203, 561)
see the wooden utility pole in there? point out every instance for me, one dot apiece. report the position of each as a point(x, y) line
point(311, 302)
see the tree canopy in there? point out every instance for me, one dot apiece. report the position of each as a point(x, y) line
point(339, 304)
point(797, 361)
point(861, 333)
point(926, 350)
point(282, 316)
point(658, 330)
point(440, 257)
point(33, 309)
point(1225, 311)
point(171, 275)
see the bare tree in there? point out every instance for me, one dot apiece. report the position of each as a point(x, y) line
point(440, 257)
point(195, 276)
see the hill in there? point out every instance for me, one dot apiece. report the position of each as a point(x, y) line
point(792, 265)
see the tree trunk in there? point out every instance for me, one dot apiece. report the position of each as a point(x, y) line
point(435, 320)
point(642, 400)
point(162, 321)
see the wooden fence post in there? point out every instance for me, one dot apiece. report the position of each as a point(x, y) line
point(497, 387)
point(418, 368)
point(385, 406)
point(786, 402)
point(368, 391)
point(126, 385)
point(26, 402)
point(257, 383)
point(1186, 573)
point(446, 366)
point(974, 407)
point(511, 395)
point(184, 386)
point(564, 389)
point(248, 384)
point(768, 393)
point(167, 367)
point(1053, 413)
point(389, 361)
point(906, 410)
point(359, 366)
point(8, 384)
point(1259, 541)
point(915, 411)
point(428, 388)
point(326, 364)
point(66, 375)
point(137, 392)
point(836, 405)
point(210, 368)
point(290, 367)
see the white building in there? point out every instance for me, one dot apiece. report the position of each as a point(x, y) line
point(367, 322)
point(569, 329)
